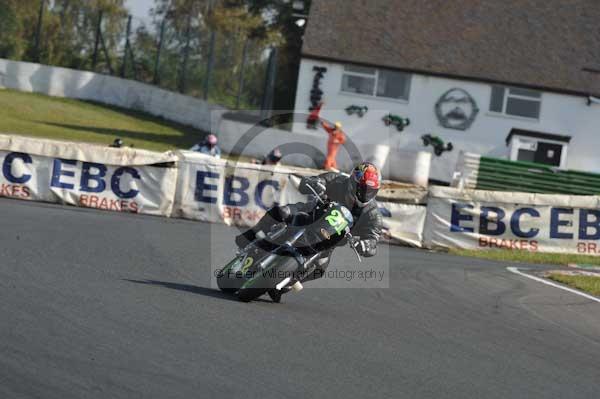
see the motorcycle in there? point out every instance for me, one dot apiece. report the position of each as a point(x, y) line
point(280, 258)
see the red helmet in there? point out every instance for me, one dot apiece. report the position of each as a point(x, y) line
point(365, 181)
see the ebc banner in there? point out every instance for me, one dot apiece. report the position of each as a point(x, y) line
point(475, 219)
point(403, 222)
point(235, 194)
point(136, 189)
point(25, 176)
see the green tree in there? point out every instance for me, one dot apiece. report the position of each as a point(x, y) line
point(284, 21)
point(9, 31)
point(144, 44)
point(187, 54)
point(68, 29)
point(230, 28)
point(279, 16)
point(17, 27)
point(237, 28)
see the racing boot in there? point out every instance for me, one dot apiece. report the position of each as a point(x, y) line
point(276, 295)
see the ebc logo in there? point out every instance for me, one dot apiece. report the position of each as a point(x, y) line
point(13, 171)
point(93, 178)
point(496, 221)
point(7, 167)
point(236, 191)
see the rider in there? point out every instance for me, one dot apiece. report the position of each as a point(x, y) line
point(356, 192)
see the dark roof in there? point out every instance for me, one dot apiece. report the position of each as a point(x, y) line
point(537, 135)
point(545, 44)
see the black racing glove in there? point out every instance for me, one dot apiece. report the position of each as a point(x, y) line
point(365, 248)
point(316, 183)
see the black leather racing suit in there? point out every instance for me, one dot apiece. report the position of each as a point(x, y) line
point(367, 220)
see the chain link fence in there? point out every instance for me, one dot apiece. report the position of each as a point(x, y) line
point(179, 54)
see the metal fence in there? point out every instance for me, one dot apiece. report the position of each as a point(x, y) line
point(222, 67)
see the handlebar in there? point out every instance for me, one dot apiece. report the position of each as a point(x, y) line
point(316, 195)
point(352, 240)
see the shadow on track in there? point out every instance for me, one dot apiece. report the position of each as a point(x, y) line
point(192, 288)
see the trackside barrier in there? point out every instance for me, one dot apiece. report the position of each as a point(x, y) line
point(85, 175)
point(477, 219)
point(194, 186)
point(403, 223)
point(214, 190)
point(172, 184)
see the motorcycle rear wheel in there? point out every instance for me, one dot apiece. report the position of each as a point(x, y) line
point(265, 282)
point(222, 281)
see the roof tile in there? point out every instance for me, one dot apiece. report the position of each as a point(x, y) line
point(541, 43)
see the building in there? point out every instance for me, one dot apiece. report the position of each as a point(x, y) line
point(517, 79)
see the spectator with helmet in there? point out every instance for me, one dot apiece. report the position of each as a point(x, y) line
point(208, 146)
point(117, 143)
point(273, 157)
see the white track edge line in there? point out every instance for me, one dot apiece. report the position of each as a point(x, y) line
point(550, 283)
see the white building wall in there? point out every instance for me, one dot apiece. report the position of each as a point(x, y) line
point(560, 114)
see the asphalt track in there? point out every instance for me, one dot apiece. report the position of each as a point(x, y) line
point(104, 305)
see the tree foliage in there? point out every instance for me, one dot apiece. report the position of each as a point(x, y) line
point(17, 22)
point(67, 31)
point(201, 39)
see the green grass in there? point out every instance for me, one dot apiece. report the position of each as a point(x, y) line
point(589, 284)
point(37, 115)
point(528, 257)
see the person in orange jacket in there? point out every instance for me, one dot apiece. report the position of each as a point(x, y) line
point(336, 139)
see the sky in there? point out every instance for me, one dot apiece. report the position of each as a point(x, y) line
point(139, 8)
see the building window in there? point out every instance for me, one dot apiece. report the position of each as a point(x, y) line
point(539, 152)
point(359, 80)
point(376, 82)
point(538, 147)
point(518, 102)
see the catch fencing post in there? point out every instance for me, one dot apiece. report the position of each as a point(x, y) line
point(97, 43)
point(124, 65)
point(156, 79)
point(242, 70)
point(38, 32)
point(186, 54)
point(210, 64)
point(106, 54)
point(269, 90)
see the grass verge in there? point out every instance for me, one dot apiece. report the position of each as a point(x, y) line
point(529, 257)
point(589, 284)
point(37, 115)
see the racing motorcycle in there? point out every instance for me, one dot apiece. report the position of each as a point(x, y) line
point(280, 258)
